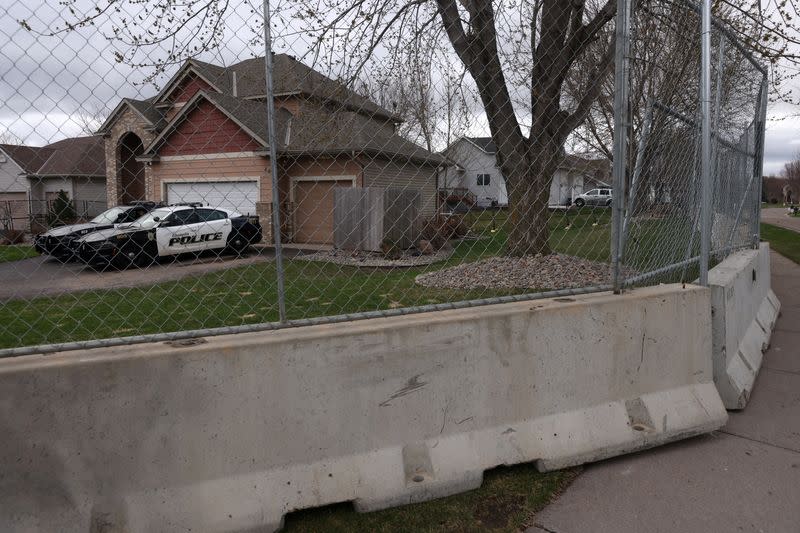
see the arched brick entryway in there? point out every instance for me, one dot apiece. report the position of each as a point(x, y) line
point(130, 171)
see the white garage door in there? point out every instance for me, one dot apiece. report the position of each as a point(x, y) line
point(239, 196)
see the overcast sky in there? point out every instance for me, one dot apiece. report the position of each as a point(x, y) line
point(45, 82)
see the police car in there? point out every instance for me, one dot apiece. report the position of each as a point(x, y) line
point(168, 232)
point(58, 242)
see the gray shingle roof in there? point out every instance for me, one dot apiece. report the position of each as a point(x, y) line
point(77, 156)
point(290, 76)
point(147, 109)
point(484, 143)
point(29, 158)
point(317, 131)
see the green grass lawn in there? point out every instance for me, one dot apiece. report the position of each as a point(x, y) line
point(15, 252)
point(248, 294)
point(505, 502)
point(785, 242)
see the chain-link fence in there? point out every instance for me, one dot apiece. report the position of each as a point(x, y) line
point(381, 160)
point(661, 237)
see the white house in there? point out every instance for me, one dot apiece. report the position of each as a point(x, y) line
point(475, 168)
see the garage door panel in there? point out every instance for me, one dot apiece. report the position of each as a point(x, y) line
point(313, 215)
point(239, 196)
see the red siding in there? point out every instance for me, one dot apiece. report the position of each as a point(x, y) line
point(206, 130)
point(187, 88)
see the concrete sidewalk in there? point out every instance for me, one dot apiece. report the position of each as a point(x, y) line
point(777, 217)
point(745, 477)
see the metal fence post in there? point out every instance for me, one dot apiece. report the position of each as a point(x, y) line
point(273, 161)
point(760, 126)
point(622, 44)
point(705, 141)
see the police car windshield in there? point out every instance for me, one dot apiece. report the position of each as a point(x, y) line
point(149, 221)
point(108, 217)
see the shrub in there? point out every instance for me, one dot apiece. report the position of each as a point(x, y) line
point(61, 210)
point(440, 229)
point(391, 250)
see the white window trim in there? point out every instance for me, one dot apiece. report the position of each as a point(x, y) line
point(295, 179)
point(204, 179)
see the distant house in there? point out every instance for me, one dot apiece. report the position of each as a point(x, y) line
point(203, 138)
point(14, 189)
point(31, 177)
point(475, 168)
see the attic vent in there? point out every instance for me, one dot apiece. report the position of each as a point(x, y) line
point(288, 135)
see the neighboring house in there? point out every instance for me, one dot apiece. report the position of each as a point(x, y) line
point(75, 166)
point(475, 168)
point(37, 174)
point(203, 138)
point(15, 161)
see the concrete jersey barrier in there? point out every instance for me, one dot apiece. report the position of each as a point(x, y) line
point(233, 433)
point(744, 310)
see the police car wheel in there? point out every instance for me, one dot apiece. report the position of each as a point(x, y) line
point(143, 260)
point(580, 202)
point(238, 244)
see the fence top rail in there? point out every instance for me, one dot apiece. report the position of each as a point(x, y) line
point(693, 123)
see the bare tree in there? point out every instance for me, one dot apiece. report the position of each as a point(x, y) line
point(436, 106)
point(9, 137)
point(347, 35)
point(90, 119)
point(791, 173)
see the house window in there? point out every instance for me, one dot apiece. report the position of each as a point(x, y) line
point(484, 179)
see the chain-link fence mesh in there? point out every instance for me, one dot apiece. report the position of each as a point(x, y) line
point(419, 156)
point(662, 225)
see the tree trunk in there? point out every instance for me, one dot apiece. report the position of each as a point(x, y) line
point(529, 194)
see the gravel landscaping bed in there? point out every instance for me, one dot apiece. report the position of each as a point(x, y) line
point(554, 271)
point(375, 260)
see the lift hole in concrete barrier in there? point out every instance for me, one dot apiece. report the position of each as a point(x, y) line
point(301, 518)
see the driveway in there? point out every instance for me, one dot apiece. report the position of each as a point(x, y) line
point(777, 217)
point(44, 276)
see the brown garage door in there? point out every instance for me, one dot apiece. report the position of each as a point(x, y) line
point(313, 215)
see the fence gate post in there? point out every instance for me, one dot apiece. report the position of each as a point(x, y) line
point(705, 140)
point(620, 144)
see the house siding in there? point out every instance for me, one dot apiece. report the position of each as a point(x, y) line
point(188, 87)
point(219, 167)
point(206, 130)
point(13, 193)
point(90, 196)
point(383, 173)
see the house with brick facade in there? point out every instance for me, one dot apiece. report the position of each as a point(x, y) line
point(203, 138)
